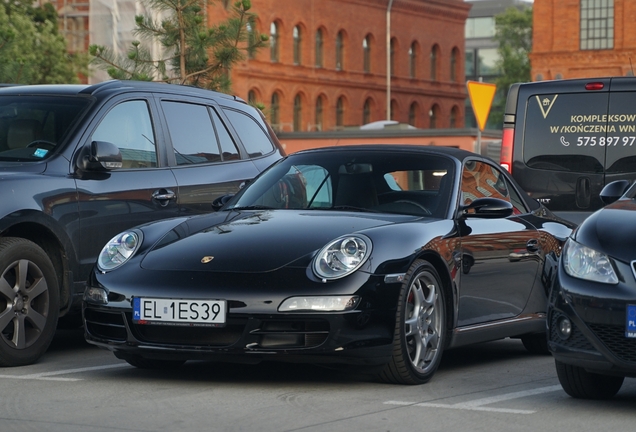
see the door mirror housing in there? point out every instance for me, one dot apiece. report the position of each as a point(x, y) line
point(614, 190)
point(100, 156)
point(487, 208)
point(220, 201)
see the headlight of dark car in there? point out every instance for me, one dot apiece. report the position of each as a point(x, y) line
point(583, 262)
point(118, 250)
point(342, 256)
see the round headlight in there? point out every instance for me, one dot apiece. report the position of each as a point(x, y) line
point(582, 262)
point(118, 250)
point(342, 256)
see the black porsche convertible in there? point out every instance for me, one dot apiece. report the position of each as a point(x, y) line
point(378, 256)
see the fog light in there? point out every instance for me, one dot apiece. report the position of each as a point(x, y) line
point(319, 304)
point(564, 328)
point(96, 295)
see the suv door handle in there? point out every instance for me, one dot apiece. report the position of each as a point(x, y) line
point(163, 196)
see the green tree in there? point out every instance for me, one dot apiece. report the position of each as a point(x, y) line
point(31, 49)
point(513, 32)
point(194, 53)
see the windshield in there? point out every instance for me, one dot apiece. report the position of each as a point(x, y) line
point(373, 181)
point(31, 127)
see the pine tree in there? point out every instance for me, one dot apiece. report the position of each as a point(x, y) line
point(31, 49)
point(193, 52)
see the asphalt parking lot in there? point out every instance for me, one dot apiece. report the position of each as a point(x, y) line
point(496, 386)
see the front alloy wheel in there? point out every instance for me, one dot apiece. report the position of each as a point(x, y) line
point(29, 302)
point(420, 331)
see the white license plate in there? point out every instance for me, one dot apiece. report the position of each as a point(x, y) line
point(178, 311)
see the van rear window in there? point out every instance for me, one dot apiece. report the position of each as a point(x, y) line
point(566, 132)
point(581, 132)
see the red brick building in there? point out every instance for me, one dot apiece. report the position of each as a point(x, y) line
point(583, 38)
point(325, 66)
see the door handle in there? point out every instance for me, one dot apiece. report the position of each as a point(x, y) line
point(163, 196)
point(532, 245)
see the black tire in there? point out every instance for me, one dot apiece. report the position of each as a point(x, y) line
point(581, 384)
point(536, 343)
point(145, 363)
point(420, 327)
point(29, 301)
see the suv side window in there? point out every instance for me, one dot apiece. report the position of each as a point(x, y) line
point(228, 148)
point(254, 138)
point(129, 127)
point(192, 133)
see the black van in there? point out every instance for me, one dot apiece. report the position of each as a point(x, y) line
point(564, 140)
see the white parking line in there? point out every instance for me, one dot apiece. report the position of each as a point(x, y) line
point(478, 404)
point(49, 376)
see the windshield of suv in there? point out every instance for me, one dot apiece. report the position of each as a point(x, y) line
point(31, 127)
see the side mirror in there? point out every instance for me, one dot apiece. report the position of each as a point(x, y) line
point(614, 190)
point(220, 201)
point(100, 156)
point(487, 208)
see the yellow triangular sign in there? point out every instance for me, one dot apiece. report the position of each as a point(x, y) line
point(481, 96)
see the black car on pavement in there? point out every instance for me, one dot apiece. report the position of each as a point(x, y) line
point(80, 163)
point(592, 307)
point(380, 256)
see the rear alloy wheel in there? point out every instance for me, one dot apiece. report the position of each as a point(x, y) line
point(420, 330)
point(29, 302)
point(581, 384)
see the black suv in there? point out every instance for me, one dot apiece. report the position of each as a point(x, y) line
point(79, 164)
point(564, 140)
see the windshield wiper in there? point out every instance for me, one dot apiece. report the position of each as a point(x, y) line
point(251, 207)
point(351, 208)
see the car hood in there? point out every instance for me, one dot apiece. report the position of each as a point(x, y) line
point(256, 241)
point(12, 169)
point(611, 230)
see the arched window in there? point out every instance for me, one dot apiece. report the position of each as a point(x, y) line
point(413, 109)
point(413, 60)
point(251, 97)
point(318, 119)
point(434, 59)
point(298, 113)
point(340, 112)
point(454, 65)
point(393, 109)
point(297, 46)
point(454, 117)
point(366, 112)
point(366, 48)
point(275, 112)
point(319, 48)
point(392, 61)
point(433, 115)
point(251, 40)
point(340, 51)
point(273, 42)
